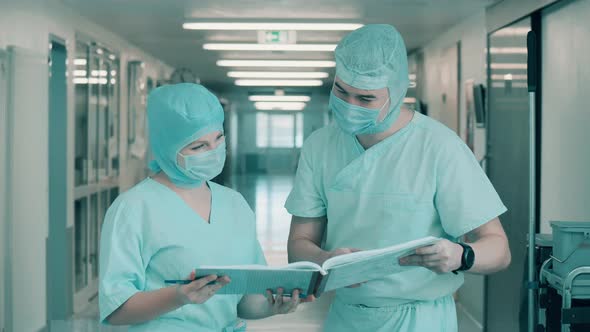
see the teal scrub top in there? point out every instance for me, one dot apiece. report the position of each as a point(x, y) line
point(421, 181)
point(150, 234)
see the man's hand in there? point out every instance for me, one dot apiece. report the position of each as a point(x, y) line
point(441, 257)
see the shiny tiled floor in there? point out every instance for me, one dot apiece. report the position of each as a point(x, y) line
point(266, 194)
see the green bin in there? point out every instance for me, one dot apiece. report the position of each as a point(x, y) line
point(571, 246)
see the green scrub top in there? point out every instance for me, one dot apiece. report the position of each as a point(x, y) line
point(150, 234)
point(421, 181)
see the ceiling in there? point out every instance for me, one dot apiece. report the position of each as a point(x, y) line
point(156, 26)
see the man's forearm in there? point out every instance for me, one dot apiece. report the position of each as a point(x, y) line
point(306, 250)
point(492, 254)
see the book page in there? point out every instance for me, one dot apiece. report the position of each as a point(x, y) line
point(257, 279)
point(365, 254)
point(372, 265)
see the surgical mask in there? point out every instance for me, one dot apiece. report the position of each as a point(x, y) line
point(204, 166)
point(358, 120)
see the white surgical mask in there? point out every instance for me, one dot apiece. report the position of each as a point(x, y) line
point(204, 166)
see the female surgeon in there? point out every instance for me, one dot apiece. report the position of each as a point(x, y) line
point(176, 220)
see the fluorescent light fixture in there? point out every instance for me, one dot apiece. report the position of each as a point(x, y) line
point(412, 85)
point(99, 51)
point(412, 77)
point(113, 81)
point(271, 26)
point(517, 31)
point(409, 100)
point(512, 77)
point(508, 66)
point(113, 73)
point(502, 85)
point(80, 62)
point(80, 73)
point(245, 82)
point(112, 56)
point(283, 106)
point(508, 50)
point(102, 73)
point(271, 47)
point(276, 63)
point(273, 74)
point(92, 80)
point(279, 98)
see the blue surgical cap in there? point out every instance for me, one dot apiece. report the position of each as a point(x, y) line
point(374, 57)
point(178, 115)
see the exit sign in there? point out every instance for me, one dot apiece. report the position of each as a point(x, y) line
point(276, 37)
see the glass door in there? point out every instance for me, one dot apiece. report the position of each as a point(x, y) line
point(96, 78)
point(507, 161)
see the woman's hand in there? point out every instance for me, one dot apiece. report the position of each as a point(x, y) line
point(200, 290)
point(441, 257)
point(280, 304)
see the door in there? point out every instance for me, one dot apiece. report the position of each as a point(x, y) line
point(450, 87)
point(444, 87)
point(508, 166)
point(3, 189)
point(58, 265)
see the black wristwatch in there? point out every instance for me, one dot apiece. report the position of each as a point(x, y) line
point(467, 258)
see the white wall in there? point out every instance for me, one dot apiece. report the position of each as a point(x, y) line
point(28, 183)
point(565, 153)
point(27, 24)
point(472, 35)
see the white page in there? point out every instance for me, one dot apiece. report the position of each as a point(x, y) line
point(362, 255)
point(373, 265)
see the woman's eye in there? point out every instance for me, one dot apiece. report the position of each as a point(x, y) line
point(198, 147)
point(220, 137)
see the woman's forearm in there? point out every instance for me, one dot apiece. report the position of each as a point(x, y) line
point(145, 306)
point(254, 307)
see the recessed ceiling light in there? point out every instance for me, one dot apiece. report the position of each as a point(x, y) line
point(274, 74)
point(279, 98)
point(276, 63)
point(245, 82)
point(271, 47)
point(284, 106)
point(271, 26)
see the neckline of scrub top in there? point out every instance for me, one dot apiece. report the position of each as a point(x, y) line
point(182, 202)
point(361, 149)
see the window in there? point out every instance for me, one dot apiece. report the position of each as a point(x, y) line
point(279, 130)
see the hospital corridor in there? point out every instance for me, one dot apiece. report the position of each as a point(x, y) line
point(294, 165)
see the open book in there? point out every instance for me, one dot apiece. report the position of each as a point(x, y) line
point(312, 279)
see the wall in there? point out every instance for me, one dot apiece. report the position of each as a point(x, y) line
point(471, 33)
point(565, 154)
point(27, 24)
